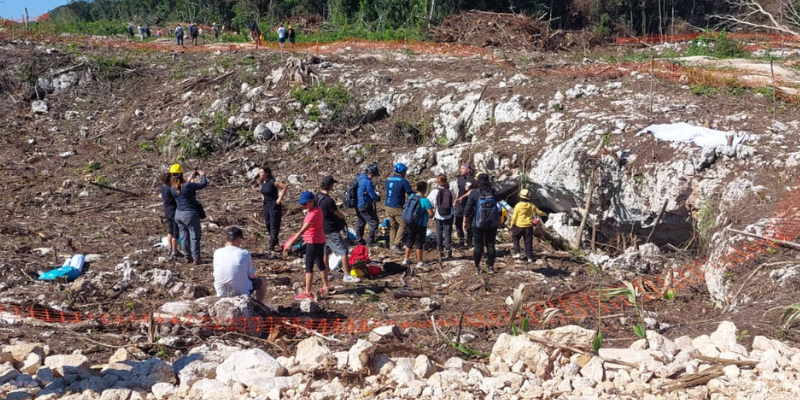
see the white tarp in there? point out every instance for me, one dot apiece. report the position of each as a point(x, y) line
point(683, 132)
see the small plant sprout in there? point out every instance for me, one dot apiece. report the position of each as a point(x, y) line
point(515, 302)
point(630, 293)
point(790, 315)
point(549, 314)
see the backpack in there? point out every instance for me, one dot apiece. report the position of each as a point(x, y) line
point(487, 215)
point(193, 30)
point(413, 211)
point(179, 31)
point(444, 202)
point(350, 198)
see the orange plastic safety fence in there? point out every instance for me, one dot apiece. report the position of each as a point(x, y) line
point(655, 39)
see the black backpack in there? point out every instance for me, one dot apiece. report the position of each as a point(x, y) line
point(444, 202)
point(350, 198)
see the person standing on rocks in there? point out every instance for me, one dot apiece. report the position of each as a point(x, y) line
point(397, 187)
point(482, 211)
point(313, 233)
point(366, 213)
point(272, 192)
point(291, 35)
point(418, 229)
point(465, 184)
point(234, 274)
point(522, 223)
point(333, 224)
point(179, 34)
point(442, 198)
point(169, 212)
point(187, 214)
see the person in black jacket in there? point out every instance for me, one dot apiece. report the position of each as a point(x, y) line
point(485, 236)
point(272, 192)
point(169, 213)
point(187, 214)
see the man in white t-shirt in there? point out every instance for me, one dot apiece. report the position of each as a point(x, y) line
point(233, 269)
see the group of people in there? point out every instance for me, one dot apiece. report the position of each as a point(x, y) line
point(194, 33)
point(142, 31)
point(474, 208)
point(284, 35)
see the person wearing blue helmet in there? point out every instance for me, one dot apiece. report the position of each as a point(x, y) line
point(397, 189)
point(366, 212)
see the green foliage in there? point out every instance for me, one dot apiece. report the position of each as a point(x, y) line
point(669, 295)
point(597, 342)
point(602, 28)
point(791, 315)
point(111, 67)
point(632, 294)
point(467, 351)
point(92, 167)
point(335, 97)
point(369, 296)
point(716, 44)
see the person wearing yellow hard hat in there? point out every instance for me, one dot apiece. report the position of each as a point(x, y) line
point(525, 217)
point(188, 210)
point(170, 207)
point(483, 213)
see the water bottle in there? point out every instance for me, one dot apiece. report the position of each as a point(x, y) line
point(509, 209)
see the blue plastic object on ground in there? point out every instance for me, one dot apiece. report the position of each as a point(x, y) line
point(69, 271)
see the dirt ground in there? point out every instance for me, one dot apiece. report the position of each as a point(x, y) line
point(50, 203)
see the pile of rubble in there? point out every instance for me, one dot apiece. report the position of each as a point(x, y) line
point(538, 364)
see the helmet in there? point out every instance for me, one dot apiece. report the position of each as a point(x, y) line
point(176, 169)
point(373, 169)
point(525, 194)
point(400, 168)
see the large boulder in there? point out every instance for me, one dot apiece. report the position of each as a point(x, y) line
point(201, 363)
point(147, 373)
point(570, 335)
point(233, 308)
point(249, 367)
point(313, 352)
point(509, 350)
point(69, 364)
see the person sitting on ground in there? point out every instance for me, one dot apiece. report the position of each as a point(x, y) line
point(313, 233)
point(442, 198)
point(233, 269)
point(334, 224)
point(522, 223)
point(418, 230)
point(169, 213)
point(482, 212)
point(397, 187)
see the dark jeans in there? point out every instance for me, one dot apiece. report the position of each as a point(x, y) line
point(180, 40)
point(518, 233)
point(189, 225)
point(272, 218)
point(484, 237)
point(459, 211)
point(444, 234)
point(367, 216)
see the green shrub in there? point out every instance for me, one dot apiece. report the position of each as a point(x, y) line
point(335, 97)
point(716, 44)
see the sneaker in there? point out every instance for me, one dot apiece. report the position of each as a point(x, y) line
point(448, 255)
point(397, 250)
point(420, 265)
point(406, 261)
point(491, 270)
point(198, 262)
point(516, 255)
point(303, 296)
point(188, 260)
point(351, 279)
point(530, 260)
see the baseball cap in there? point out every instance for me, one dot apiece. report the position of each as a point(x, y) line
point(305, 197)
point(234, 233)
point(328, 181)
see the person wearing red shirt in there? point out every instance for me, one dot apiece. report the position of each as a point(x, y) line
point(313, 233)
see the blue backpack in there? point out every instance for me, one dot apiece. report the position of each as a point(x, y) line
point(413, 211)
point(487, 215)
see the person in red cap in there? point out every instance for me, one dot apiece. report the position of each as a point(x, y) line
point(313, 233)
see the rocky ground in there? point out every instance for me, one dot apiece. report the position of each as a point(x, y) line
point(89, 128)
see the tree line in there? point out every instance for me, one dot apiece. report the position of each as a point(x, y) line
point(608, 17)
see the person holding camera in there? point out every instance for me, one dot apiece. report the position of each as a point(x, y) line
point(188, 210)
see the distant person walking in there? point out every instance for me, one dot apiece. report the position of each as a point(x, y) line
point(147, 31)
point(170, 206)
point(141, 32)
point(194, 33)
point(313, 233)
point(281, 36)
point(255, 33)
point(464, 186)
point(130, 30)
point(187, 214)
point(442, 199)
point(523, 222)
point(291, 36)
point(216, 31)
point(366, 213)
point(179, 34)
point(482, 212)
point(272, 192)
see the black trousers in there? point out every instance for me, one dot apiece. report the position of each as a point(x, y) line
point(367, 215)
point(526, 234)
point(484, 238)
point(444, 234)
point(272, 218)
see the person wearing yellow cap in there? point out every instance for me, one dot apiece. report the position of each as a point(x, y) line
point(170, 206)
point(187, 214)
point(522, 223)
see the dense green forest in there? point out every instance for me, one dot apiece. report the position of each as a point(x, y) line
point(609, 17)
